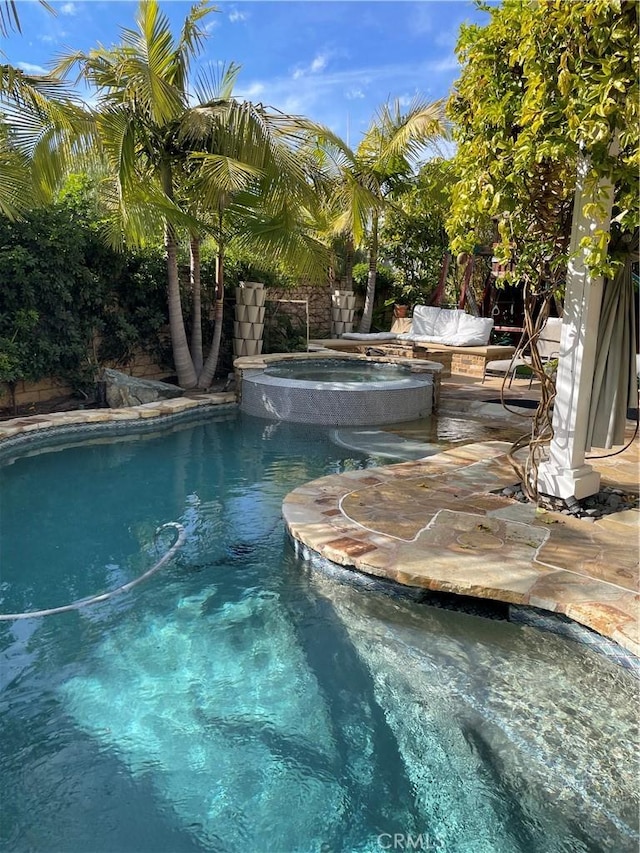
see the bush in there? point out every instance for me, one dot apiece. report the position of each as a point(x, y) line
point(55, 268)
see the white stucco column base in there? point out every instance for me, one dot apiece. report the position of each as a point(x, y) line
point(564, 474)
point(567, 483)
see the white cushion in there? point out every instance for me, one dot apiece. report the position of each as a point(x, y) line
point(446, 325)
point(424, 320)
point(373, 336)
point(471, 331)
point(423, 339)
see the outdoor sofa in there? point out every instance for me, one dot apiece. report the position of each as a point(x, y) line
point(449, 336)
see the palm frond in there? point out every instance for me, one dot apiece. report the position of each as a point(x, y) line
point(406, 135)
point(191, 40)
point(16, 186)
point(9, 19)
point(220, 174)
point(276, 236)
point(217, 82)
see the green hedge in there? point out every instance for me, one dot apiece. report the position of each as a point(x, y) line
point(61, 287)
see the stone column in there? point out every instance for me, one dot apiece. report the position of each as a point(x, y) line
point(249, 323)
point(565, 474)
point(343, 303)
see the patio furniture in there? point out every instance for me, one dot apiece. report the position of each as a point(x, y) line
point(548, 348)
point(456, 340)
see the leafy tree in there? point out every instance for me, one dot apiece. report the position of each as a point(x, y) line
point(543, 83)
point(64, 290)
point(413, 238)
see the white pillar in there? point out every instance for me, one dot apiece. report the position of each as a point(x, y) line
point(564, 474)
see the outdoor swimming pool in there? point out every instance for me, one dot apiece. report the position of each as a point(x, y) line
point(241, 701)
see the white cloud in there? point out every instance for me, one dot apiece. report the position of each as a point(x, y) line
point(421, 19)
point(325, 94)
point(236, 15)
point(210, 26)
point(68, 9)
point(32, 69)
point(449, 63)
point(319, 63)
point(252, 90)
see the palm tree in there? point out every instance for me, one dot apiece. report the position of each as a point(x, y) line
point(166, 153)
point(367, 178)
point(40, 123)
point(42, 127)
point(251, 186)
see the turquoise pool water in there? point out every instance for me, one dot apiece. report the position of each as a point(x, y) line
point(339, 370)
point(243, 701)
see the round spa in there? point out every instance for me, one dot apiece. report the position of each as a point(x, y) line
point(337, 392)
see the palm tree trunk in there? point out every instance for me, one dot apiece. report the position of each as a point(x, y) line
point(367, 314)
point(181, 356)
point(209, 369)
point(196, 318)
point(349, 253)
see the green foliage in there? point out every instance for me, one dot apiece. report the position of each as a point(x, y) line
point(281, 334)
point(62, 289)
point(541, 82)
point(413, 238)
point(385, 278)
point(246, 265)
point(13, 352)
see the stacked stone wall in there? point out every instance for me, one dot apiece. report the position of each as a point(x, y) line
point(318, 298)
point(142, 365)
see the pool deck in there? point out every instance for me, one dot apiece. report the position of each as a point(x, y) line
point(436, 522)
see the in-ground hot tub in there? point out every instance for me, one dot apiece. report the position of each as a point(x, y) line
point(338, 391)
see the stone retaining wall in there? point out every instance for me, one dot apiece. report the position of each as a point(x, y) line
point(143, 366)
point(319, 299)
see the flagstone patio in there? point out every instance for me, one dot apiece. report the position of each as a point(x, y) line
point(436, 523)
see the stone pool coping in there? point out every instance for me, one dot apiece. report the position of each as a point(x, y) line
point(78, 417)
point(435, 523)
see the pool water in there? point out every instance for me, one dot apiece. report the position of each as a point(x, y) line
point(242, 700)
point(339, 370)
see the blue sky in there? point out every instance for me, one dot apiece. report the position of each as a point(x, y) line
point(335, 62)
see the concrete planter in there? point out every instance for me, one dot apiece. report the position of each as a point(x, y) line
point(249, 321)
point(343, 303)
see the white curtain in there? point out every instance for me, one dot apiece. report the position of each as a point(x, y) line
point(615, 386)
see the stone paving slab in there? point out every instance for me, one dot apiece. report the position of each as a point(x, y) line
point(435, 523)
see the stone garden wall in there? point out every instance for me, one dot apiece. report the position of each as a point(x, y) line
point(319, 299)
point(143, 366)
